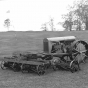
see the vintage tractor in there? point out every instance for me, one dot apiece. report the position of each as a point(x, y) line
point(67, 52)
point(78, 49)
point(59, 52)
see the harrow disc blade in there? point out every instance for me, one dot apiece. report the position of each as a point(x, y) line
point(3, 65)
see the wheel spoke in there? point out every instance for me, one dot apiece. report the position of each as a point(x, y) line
point(80, 57)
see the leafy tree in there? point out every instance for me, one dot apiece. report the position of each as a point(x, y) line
point(68, 21)
point(82, 12)
point(77, 15)
point(67, 25)
point(7, 23)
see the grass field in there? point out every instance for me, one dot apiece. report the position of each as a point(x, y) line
point(33, 41)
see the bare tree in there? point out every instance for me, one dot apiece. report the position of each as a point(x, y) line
point(49, 24)
point(52, 24)
point(44, 27)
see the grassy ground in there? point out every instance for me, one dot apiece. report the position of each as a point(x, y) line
point(33, 41)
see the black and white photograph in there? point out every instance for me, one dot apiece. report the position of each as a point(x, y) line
point(43, 43)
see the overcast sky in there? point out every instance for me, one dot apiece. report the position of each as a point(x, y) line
point(31, 14)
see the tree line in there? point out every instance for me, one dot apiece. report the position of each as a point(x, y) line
point(76, 18)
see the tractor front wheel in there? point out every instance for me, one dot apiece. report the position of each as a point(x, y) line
point(74, 66)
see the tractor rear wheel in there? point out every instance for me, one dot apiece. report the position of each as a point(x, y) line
point(80, 50)
point(74, 66)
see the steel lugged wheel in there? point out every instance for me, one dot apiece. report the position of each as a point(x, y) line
point(74, 66)
point(55, 62)
point(40, 69)
point(3, 65)
point(80, 50)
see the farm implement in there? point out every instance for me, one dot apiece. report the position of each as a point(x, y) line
point(59, 52)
